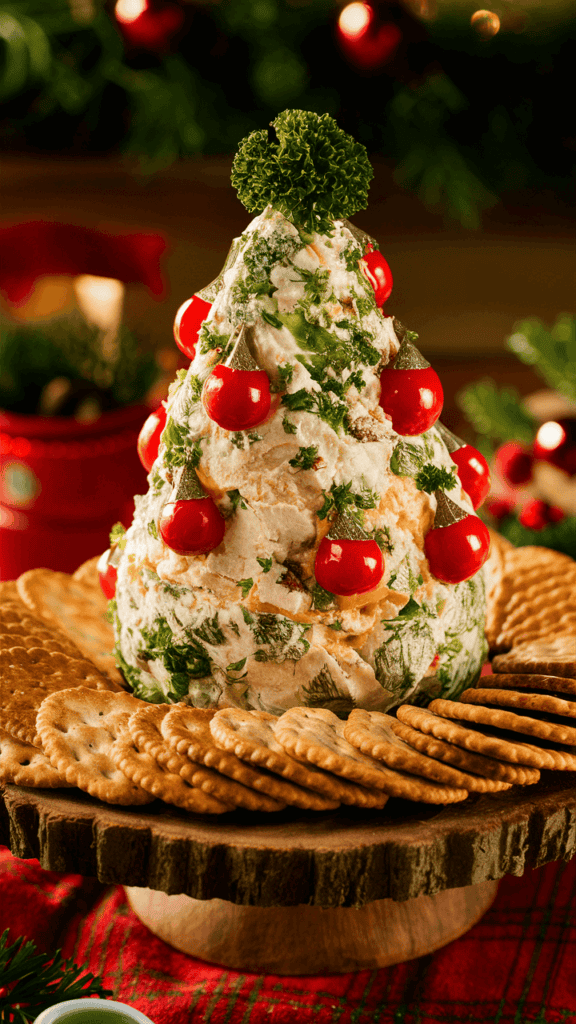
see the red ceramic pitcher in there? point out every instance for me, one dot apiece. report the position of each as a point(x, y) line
point(63, 484)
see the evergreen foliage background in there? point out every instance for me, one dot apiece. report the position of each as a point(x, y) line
point(465, 121)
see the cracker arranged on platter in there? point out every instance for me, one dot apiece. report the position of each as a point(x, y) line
point(536, 596)
point(372, 734)
point(531, 702)
point(21, 764)
point(555, 656)
point(77, 729)
point(471, 739)
point(145, 729)
point(498, 718)
point(187, 730)
point(145, 771)
point(20, 628)
point(316, 735)
point(530, 681)
point(78, 607)
point(250, 736)
point(487, 767)
point(29, 674)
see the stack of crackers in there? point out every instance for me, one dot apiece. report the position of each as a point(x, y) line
point(65, 719)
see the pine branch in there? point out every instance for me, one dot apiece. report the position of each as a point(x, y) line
point(551, 351)
point(30, 982)
point(497, 413)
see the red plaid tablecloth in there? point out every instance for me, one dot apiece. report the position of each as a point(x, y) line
point(517, 965)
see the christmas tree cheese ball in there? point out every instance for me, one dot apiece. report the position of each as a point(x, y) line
point(308, 536)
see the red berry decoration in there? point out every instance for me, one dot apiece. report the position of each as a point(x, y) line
point(410, 390)
point(471, 466)
point(555, 443)
point(514, 463)
point(457, 545)
point(237, 395)
point(499, 508)
point(190, 523)
point(535, 514)
point(376, 270)
point(188, 322)
point(348, 561)
point(149, 437)
point(108, 571)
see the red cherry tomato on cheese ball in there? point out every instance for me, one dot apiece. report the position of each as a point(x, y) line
point(376, 270)
point(456, 552)
point(188, 322)
point(413, 398)
point(149, 437)
point(191, 527)
point(108, 574)
point(348, 567)
point(473, 472)
point(237, 399)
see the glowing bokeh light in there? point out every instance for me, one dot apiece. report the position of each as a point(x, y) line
point(486, 23)
point(127, 11)
point(354, 20)
point(550, 435)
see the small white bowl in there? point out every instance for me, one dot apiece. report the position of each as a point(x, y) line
point(91, 1011)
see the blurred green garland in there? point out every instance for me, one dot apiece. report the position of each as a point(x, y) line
point(465, 121)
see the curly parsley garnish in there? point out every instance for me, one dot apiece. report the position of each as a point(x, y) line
point(305, 459)
point(435, 478)
point(306, 167)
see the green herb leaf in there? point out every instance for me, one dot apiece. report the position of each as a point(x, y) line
point(289, 428)
point(322, 692)
point(118, 535)
point(236, 499)
point(265, 564)
point(245, 586)
point(151, 527)
point(271, 319)
point(305, 459)
point(435, 478)
point(321, 599)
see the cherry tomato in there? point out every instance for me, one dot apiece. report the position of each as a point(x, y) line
point(237, 399)
point(536, 514)
point(378, 273)
point(191, 527)
point(108, 574)
point(473, 471)
point(149, 437)
point(347, 567)
point(514, 463)
point(456, 552)
point(555, 443)
point(188, 322)
point(413, 398)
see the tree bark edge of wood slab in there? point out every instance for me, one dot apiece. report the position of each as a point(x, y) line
point(339, 859)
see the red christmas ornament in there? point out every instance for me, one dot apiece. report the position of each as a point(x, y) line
point(348, 561)
point(535, 514)
point(107, 568)
point(190, 523)
point(237, 394)
point(471, 466)
point(457, 545)
point(410, 390)
point(188, 322)
point(147, 26)
point(514, 463)
point(499, 508)
point(555, 443)
point(149, 437)
point(378, 273)
point(366, 43)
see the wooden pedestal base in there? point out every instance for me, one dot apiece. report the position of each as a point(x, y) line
point(309, 940)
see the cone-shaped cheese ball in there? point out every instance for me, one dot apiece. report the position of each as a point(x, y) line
point(247, 622)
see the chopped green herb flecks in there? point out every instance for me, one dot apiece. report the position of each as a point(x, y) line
point(265, 564)
point(211, 340)
point(157, 482)
point(245, 586)
point(118, 536)
point(236, 500)
point(409, 457)
point(341, 498)
point(337, 626)
point(382, 537)
point(305, 459)
point(210, 632)
point(248, 618)
point(271, 319)
point(322, 692)
point(289, 428)
point(279, 639)
point(178, 451)
point(151, 527)
point(321, 599)
point(182, 660)
point(285, 374)
point(195, 383)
